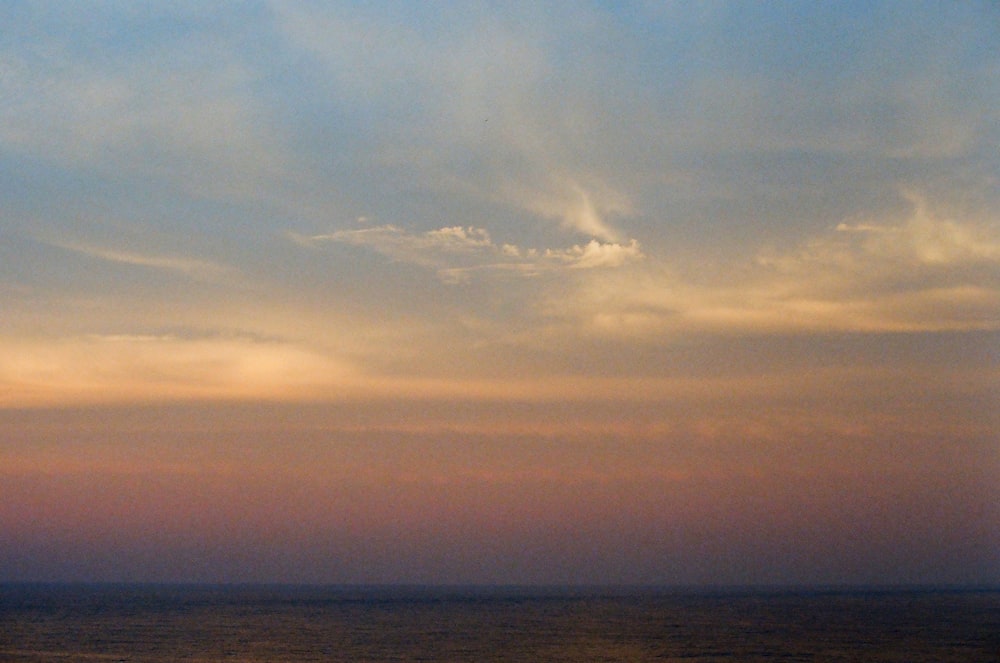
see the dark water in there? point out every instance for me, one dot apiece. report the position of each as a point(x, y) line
point(204, 623)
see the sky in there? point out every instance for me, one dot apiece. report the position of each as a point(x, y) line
point(519, 293)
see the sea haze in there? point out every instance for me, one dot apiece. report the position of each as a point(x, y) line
point(151, 623)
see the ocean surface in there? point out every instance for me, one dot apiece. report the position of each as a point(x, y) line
point(146, 623)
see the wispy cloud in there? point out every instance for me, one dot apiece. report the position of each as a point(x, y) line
point(180, 110)
point(924, 251)
point(574, 207)
point(190, 267)
point(143, 367)
point(455, 252)
point(490, 126)
point(926, 273)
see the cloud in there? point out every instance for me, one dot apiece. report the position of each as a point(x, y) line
point(157, 367)
point(488, 123)
point(924, 241)
point(147, 367)
point(455, 251)
point(597, 254)
point(179, 110)
point(925, 250)
point(524, 121)
point(193, 268)
point(926, 273)
point(575, 208)
point(457, 238)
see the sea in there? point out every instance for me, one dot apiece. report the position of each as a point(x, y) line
point(202, 623)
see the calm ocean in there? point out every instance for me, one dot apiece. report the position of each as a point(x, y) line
point(138, 623)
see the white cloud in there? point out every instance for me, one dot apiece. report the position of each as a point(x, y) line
point(922, 250)
point(457, 238)
point(429, 249)
point(923, 274)
point(575, 208)
point(456, 252)
point(597, 254)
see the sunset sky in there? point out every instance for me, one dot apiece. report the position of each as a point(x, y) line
point(472, 292)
